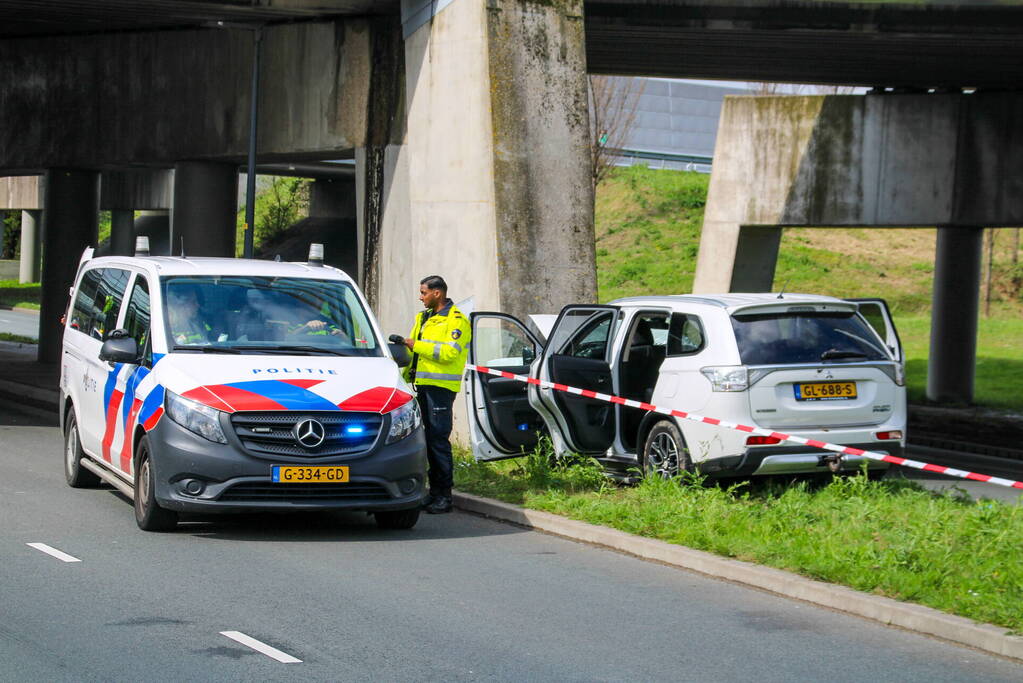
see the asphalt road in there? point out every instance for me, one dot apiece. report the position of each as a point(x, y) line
point(23, 323)
point(456, 598)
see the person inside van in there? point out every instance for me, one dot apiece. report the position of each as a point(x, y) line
point(186, 324)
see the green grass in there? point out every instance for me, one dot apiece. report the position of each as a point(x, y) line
point(13, 294)
point(8, 337)
point(890, 538)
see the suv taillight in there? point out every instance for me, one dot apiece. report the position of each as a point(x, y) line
point(894, 435)
point(762, 440)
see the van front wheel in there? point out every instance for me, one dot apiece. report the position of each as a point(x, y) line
point(664, 453)
point(148, 513)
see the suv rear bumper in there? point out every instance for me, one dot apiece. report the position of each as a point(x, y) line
point(765, 460)
point(388, 477)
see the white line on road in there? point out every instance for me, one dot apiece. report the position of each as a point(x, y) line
point(42, 547)
point(260, 647)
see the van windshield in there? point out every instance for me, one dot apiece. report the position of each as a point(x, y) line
point(810, 337)
point(248, 314)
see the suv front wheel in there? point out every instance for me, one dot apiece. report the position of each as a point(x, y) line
point(664, 453)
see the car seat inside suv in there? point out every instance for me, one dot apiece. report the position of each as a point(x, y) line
point(638, 371)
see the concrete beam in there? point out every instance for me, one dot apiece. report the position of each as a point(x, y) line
point(21, 192)
point(183, 95)
point(874, 160)
point(137, 189)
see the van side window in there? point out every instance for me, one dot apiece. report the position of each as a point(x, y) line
point(99, 301)
point(136, 318)
point(685, 335)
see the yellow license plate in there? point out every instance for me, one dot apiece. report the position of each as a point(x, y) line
point(301, 474)
point(824, 391)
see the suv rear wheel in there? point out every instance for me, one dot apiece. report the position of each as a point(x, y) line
point(665, 454)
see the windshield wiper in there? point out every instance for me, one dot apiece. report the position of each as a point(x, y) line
point(207, 349)
point(834, 354)
point(295, 347)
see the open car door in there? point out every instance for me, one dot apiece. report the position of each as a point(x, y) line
point(577, 354)
point(501, 422)
point(876, 313)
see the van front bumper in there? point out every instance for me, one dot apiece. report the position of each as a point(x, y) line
point(192, 474)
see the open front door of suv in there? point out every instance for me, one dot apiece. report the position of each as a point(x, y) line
point(501, 422)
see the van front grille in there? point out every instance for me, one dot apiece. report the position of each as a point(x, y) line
point(273, 434)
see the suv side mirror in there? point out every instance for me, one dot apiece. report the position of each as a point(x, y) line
point(119, 348)
point(528, 355)
point(401, 355)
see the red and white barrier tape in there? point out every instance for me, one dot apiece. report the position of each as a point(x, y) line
point(844, 450)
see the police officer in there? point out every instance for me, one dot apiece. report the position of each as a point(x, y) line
point(439, 342)
point(187, 326)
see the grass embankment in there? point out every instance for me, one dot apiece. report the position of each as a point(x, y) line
point(648, 225)
point(14, 294)
point(890, 538)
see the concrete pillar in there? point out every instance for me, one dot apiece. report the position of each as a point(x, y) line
point(30, 234)
point(204, 216)
point(71, 223)
point(122, 232)
point(156, 226)
point(954, 309)
point(494, 175)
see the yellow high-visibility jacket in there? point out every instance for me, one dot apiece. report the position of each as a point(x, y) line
point(440, 349)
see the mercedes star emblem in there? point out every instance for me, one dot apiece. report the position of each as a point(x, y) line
point(309, 433)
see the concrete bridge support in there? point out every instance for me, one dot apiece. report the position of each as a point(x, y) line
point(122, 232)
point(28, 270)
point(876, 161)
point(71, 219)
point(493, 178)
point(204, 217)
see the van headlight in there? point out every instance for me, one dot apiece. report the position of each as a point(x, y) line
point(727, 377)
point(404, 421)
point(195, 417)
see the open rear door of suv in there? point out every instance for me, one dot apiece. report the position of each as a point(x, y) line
point(501, 422)
point(577, 355)
point(876, 313)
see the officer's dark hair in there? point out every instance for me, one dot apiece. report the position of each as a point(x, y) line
point(435, 282)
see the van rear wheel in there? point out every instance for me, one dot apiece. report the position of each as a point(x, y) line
point(77, 476)
point(148, 513)
point(664, 453)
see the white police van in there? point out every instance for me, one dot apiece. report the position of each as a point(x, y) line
point(811, 366)
point(223, 385)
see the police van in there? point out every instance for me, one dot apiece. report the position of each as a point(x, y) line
point(207, 385)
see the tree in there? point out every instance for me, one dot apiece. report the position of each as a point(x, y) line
point(613, 104)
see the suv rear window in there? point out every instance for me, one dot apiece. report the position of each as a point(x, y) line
point(810, 337)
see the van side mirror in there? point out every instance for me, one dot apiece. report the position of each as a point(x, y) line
point(401, 354)
point(528, 355)
point(119, 348)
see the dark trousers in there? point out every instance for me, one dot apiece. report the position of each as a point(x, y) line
point(435, 404)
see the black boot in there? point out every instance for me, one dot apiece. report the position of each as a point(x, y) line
point(440, 504)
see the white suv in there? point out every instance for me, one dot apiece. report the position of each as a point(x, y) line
point(226, 385)
point(811, 366)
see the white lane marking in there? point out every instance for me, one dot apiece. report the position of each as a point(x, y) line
point(272, 652)
point(42, 547)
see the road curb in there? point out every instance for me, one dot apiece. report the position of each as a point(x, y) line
point(890, 612)
point(47, 399)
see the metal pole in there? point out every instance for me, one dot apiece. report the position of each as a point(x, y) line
point(250, 180)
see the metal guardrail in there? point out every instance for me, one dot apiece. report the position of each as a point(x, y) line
point(687, 162)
